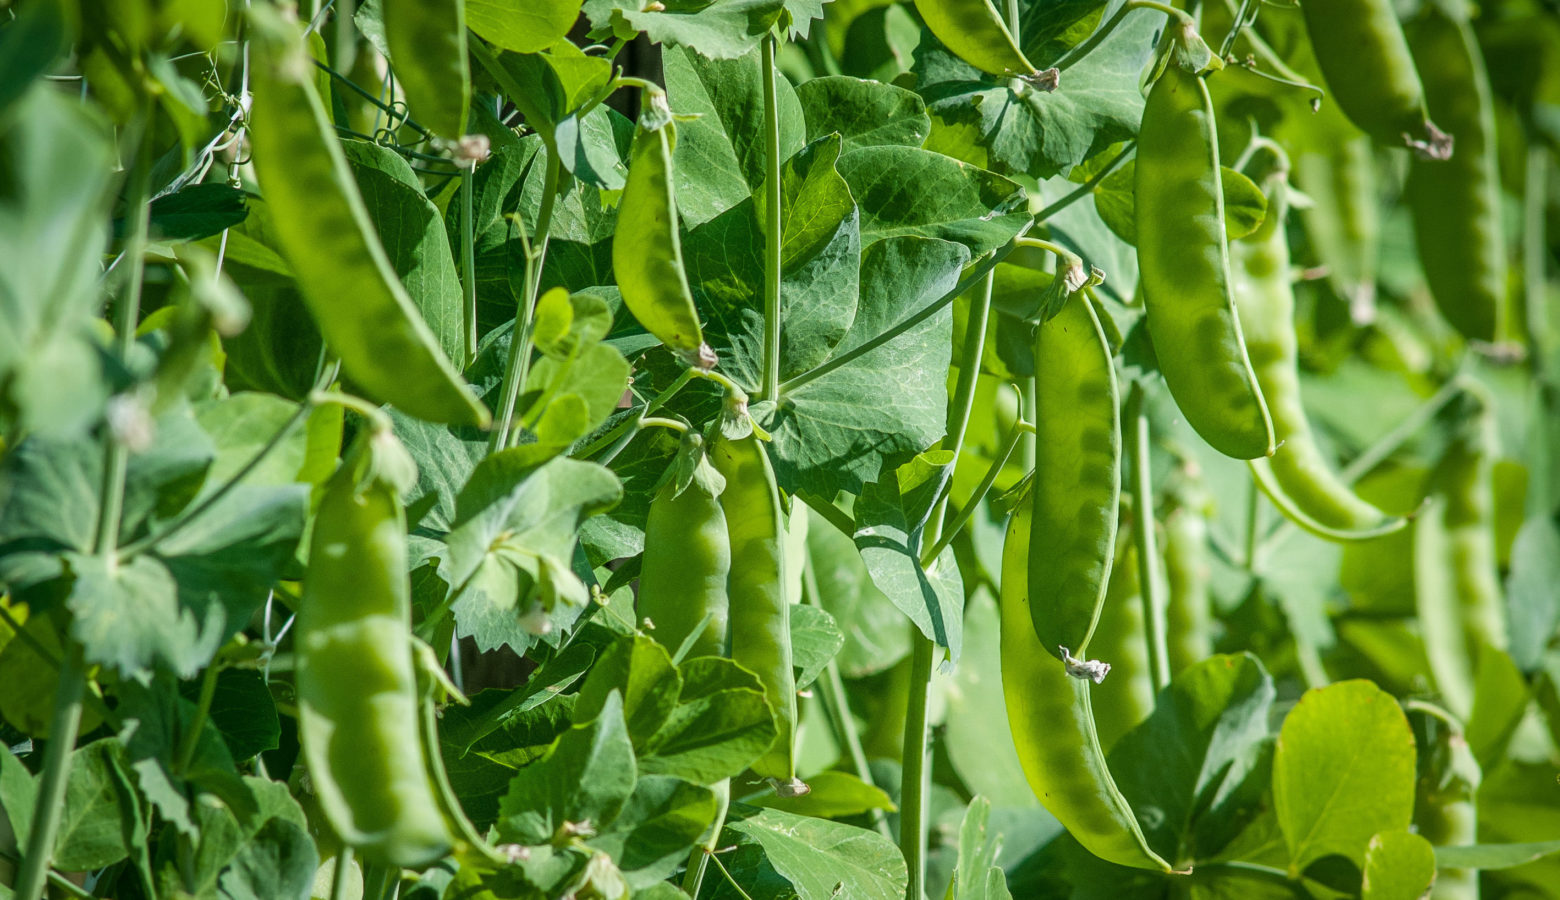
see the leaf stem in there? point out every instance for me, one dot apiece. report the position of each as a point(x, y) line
point(57, 880)
point(722, 866)
point(913, 779)
point(1015, 434)
point(626, 429)
point(770, 388)
point(191, 739)
point(56, 771)
point(699, 857)
point(1083, 190)
point(1147, 544)
point(468, 259)
point(342, 872)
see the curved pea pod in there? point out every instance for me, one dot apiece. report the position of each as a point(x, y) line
point(646, 249)
point(682, 585)
point(427, 43)
point(1183, 258)
point(1297, 477)
point(325, 234)
point(1455, 203)
point(358, 701)
point(760, 617)
point(1364, 56)
point(1126, 698)
point(1052, 721)
point(1343, 222)
point(1445, 810)
point(1077, 488)
point(975, 32)
point(1188, 579)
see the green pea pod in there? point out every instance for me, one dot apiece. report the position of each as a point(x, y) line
point(1126, 698)
point(1445, 811)
point(760, 617)
point(1361, 51)
point(1052, 720)
point(1455, 203)
point(358, 699)
point(646, 249)
point(1077, 461)
point(1343, 221)
point(975, 32)
point(1296, 477)
point(1183, 258)
point(682, 585)
point(427, 42)
point(1188, 579)
point(325, 234)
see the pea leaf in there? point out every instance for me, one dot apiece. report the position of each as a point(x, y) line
point(1493, 856)
point(1533, 598)
point(714, 30)
point(639, 671)
point(1343, 771)
point(482, 751)
point(910, 191)
point(524, 26)
point(243, 711)
point(864, 113)
point(586, 777)
point(976, 875)
point(651, 836)
point(814, 857)
point(722, 724)
point(868, 620)
point(834, 795)
point(815, 639)
point(1397, 864)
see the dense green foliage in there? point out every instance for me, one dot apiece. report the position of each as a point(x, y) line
point(769, 449)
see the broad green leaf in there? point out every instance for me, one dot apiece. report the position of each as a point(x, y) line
point(194, 212)
point(1532, 593)
point(586, 777)
point(640, 672)
point(715, 30)
point(595, 147)
point(551, 86)
point(1493, 856)
point(815, 639)
point(864, 113)
point(29, 46)
point(891, 519)
point(243, 711)
point(721, 724)
point(1048, 26)
point(721, 159)
point(279, 860)
point(1343, 771)
point(909, 191)
point(819, 859)
point(427, 44)
point(977, 736)
point(240, 426)
point(481, 755)
point(524, 26)
point(18, 796)
point(99, 817)
point(1207, 734)
point(835, 431)
point(1500, 699)
point(52, 207)
point(267, 844)
point(976, 875)
point(31, 677)
point(834, 795)
point(1399, 865)
point(869, 621)
point(412, 233)
point(128, 617)
point(652, 834)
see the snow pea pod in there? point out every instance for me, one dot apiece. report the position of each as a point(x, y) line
point(1126, 698)
point(1455, 203)
point(1183, 257)
point(1361, 51)
point(427, 43)
point(1052, 721)
point(1188, 577)
point(325, 234)
point(1077, 487)
point(975, 32)
point(1297, 477)
point(646, 249)
point(760, 617)
point(358, 699)
point(1343, 222)
point(682, 585)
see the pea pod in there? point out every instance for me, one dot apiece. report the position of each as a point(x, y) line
point(324, 232)
point(1126, 698)
point(427, 43)
point(646, 249)
point(682, 585)
point(1456, 203)
point(1183, 257)
point(1343, 222)
point(358, 699)
point(1297, 478)
point(1052, 720)
point(1077, 487)
point(975, 32)
point(760, 617)
point(1188, 574)
point(1361, 51)
point(1444, 800)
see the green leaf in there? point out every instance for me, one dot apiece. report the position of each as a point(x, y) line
point(891, 520)
point(818, 858)
point(863, 113)
point(278, 861)
point(128, 617)
point(587, 776)
point(639, 671)
point(722, 724)
point(910, 191)
point(1207, 737)
point(815, 639)
point(1533, 589)
point(660, 823)
point(1343, 771)
point(1399, 865)
point(550, 87)
point(243, 711)
point(1493, 856)
point(524, 26)
point(483, 745)
point(239, 426)
point(100, 813)
point(194, 212)
point(834, 795)
point(869, 621)
point(976, 875)
point(719, 31)
point(836, 432)
point(29, 45)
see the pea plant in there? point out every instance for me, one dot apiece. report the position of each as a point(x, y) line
point(770, 449)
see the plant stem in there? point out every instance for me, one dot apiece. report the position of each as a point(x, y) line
point(926, 312)
point(699, 857)
point(733, 881)
point(1241, 16)
point(1015, 434)
point(56, 771)
point(519, 364)
point(839, 518)
point(1083, 190)
point(58, 881)
point(770, 388)
point(1147, 544)
point(191, 739)
point(468, 259)
point(913, 780)
point(630, 425)
point(343, 871)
